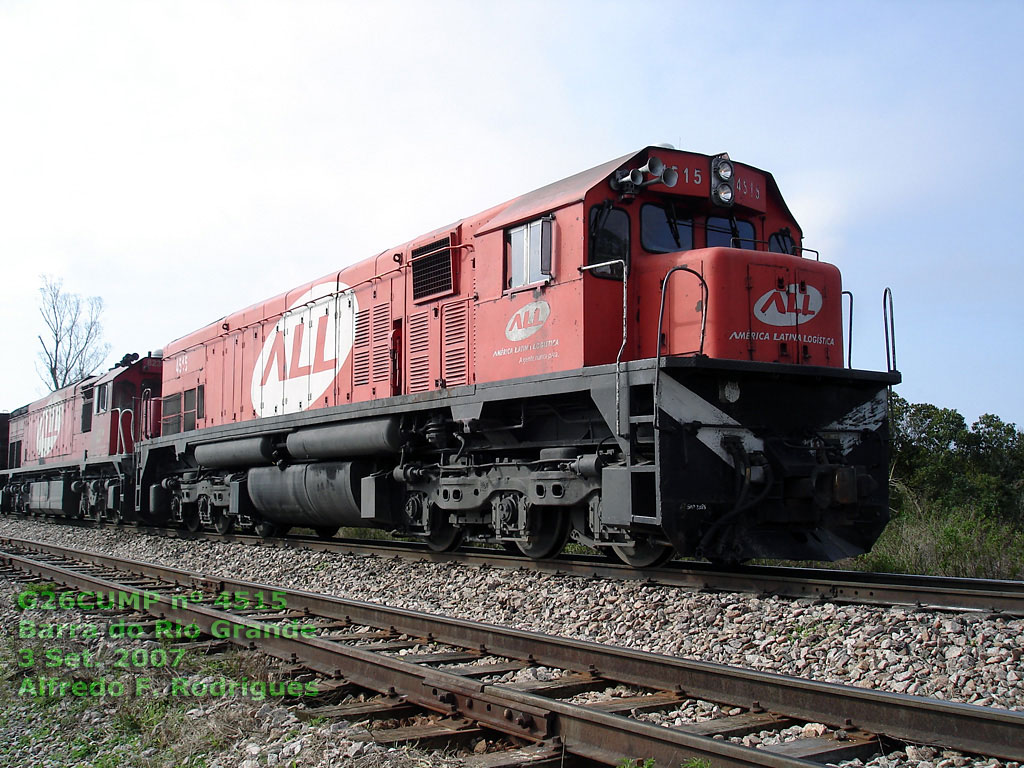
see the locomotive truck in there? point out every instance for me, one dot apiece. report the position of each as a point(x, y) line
point(642, 356)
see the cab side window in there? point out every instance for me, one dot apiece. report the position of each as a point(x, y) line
point(609, 240)
point(528, 250)
point(102, 398)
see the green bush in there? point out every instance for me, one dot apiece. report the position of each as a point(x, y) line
point(964, 542)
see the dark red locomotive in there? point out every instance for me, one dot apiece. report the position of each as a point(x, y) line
point(639, 356)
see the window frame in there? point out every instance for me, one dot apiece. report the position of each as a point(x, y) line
point(545, 254)
point(101, 395)
point(608, 273)
point(87, 408)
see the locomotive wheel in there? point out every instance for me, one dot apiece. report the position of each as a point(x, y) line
point(643, 553)
point(190, 517)
point(326, 532)
point(546, 534)
point(222, 523)
point(266, 529)
point(443, 536)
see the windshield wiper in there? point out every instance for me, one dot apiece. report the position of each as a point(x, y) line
point(597, 222)
point(673, 225)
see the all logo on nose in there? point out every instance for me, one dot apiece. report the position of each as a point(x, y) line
point(790, 306)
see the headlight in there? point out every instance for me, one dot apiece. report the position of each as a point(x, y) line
point(722, 173)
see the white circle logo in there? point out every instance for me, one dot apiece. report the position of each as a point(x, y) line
point(50, 420)
point(304, 351)
point(527, 320)
point(788, 307)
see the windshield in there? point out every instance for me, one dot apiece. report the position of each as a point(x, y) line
point(730, 233)
point(663, 231)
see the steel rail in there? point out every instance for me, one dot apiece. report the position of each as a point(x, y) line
point(991, 732)
point(599, 736)
point(823, 584)
point(840, 586)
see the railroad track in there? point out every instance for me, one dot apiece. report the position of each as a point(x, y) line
point(838, 586)
point(454, 668)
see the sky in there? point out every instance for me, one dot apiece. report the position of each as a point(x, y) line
point(183, 160)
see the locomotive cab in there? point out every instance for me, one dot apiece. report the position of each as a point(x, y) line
point(750, 455)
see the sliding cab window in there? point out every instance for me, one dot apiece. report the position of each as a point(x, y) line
point(102, 398)
point(662, 230)
point(730, 233)
point(529, 249)
point(609, 240)
point(87, 405)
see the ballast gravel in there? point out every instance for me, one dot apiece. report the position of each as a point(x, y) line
point(964, 657)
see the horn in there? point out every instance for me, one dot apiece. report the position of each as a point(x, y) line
point(654, 167)
point(633, 177)
point(668, 177)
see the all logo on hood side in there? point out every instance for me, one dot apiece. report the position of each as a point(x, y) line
point(304, 351)
point(51, 418)
point(527, 320)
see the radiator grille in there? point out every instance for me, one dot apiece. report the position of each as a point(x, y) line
point(432, 269)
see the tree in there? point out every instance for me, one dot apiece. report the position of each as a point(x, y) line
point(73, 346)
point(938, 459)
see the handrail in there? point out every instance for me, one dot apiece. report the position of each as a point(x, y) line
point(889, 321)
point(122, 444)
point(661, 317)
point(849, 333)
point(736, 238)
point(622, 347)
point(147, 416)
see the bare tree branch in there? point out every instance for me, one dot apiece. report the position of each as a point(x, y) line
point(72, 347)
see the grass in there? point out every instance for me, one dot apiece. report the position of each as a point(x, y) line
point(963, 542)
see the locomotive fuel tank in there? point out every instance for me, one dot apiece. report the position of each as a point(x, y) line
point(322, 495)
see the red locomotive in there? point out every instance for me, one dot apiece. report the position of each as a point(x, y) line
point(639, 356)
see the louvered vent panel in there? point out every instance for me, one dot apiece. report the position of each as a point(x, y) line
point(362, 337)
point(381, 343)
point(361, 355)
point(455, 367)
point(419, 352)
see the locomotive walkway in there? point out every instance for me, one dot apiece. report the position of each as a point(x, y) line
point(458, 678)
